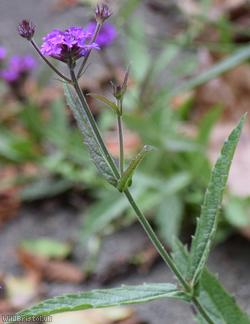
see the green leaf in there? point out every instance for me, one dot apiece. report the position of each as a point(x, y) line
point(127, 175)
point(220, 306)
point(95, 151)
point(207, 223)
point(168, 218)
point(104, 298)
point(106, 101)
point(47, 248)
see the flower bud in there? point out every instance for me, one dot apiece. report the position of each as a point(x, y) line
point(102, 13)
point(120, 90)
point(26, 29)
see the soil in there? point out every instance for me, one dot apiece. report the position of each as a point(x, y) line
point(230, 260)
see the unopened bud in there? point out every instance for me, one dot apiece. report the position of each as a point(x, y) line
point(119, 90)
point(26, 29)
point(102, 13)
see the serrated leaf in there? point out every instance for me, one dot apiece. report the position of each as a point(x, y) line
point(127, 175)
point(106, 101)
point(104, 298)
point(95, 151)
point(221, 307)
point(207, 223)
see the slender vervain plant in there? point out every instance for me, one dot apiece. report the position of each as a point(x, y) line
point(196, 285)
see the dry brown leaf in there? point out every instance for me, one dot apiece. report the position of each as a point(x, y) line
point(52, 270)
point(6, 309)
point(9, 205)
point(21, 291)
point(65, 4)
point(96, 316)
point(231, 91)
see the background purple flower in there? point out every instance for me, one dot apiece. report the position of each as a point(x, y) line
point(17, 68)
point(69, 44)
point(106, 36)
point(3, 53)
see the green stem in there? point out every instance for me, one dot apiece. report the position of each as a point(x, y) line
point(97, 30)
point(48, 62)
point(121, 145)
point(93, 123)
point(202, 311)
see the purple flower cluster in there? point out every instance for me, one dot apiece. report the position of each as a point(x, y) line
point(106, 35)
point(68, 45)
point(17, 68)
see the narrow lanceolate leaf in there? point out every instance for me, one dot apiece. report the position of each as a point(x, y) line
point(106, 101)
point(89, 137)
point(220, 306)
point(127, 175)
point(104, 298)
point(207, 223)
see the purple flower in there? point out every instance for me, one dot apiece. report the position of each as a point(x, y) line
point(2, 53)
point(68, 45)
point(18, 67)
point(106, 35)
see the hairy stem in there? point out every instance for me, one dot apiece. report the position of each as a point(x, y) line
point(202, 311)
point(48, 62)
